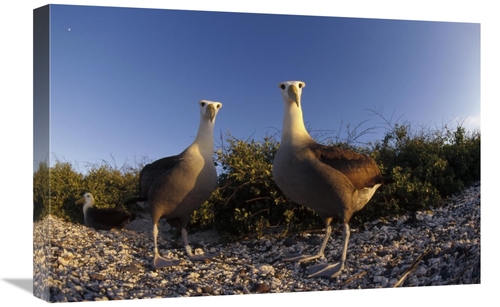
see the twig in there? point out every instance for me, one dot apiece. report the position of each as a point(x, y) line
point(257, 198)
point(411, 269)
point(359, 275)
point(259, 212)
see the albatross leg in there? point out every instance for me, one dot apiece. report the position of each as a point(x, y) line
point(159, 261)
point(302, 258)
point(333, 269)
point(189, 251)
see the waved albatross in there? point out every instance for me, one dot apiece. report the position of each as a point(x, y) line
point(178, 185)
point(330, 180)
point(103, 218)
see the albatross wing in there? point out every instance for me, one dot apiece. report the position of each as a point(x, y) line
point(108, 218)
point(360, 169)
point(154, 170)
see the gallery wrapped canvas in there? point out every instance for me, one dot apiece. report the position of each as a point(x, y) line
point(180, 153)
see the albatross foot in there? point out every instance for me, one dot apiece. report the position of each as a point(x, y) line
point(301, 258)
point(330, 270)
point(160, 262)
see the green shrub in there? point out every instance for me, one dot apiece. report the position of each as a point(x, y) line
point(56, 189)
point(463, 153)
point(41, 191)
point(424, 166)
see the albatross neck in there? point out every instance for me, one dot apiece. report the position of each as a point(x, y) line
point(294, 129)
point(88, 204)
point(205, 137)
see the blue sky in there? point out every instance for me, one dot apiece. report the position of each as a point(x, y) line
point(125, 83)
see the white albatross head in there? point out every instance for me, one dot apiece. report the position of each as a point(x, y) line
point(87, 199)
point(292, 91)
point(209, 109)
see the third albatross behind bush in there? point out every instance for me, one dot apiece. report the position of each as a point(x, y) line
point(175, 186)
point(328, 179)
point(103, 218)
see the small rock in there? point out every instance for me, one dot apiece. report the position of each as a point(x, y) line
point(98, 277)
point(290, 241)
point(207, 289)
point(62, 261)
point(266, 269)
point(262, 288)
point(133, 269)
point(314, 240)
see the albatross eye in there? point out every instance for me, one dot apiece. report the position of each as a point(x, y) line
point(203, 103)
point(282, 86)
point(301, 85)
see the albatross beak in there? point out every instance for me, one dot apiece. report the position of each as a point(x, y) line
point(210, 113)
point(80, 201)
point(293, 94)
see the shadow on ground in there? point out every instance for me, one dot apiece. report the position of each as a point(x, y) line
point(22, 283)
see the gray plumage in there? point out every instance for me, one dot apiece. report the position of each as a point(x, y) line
point(330, 180)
